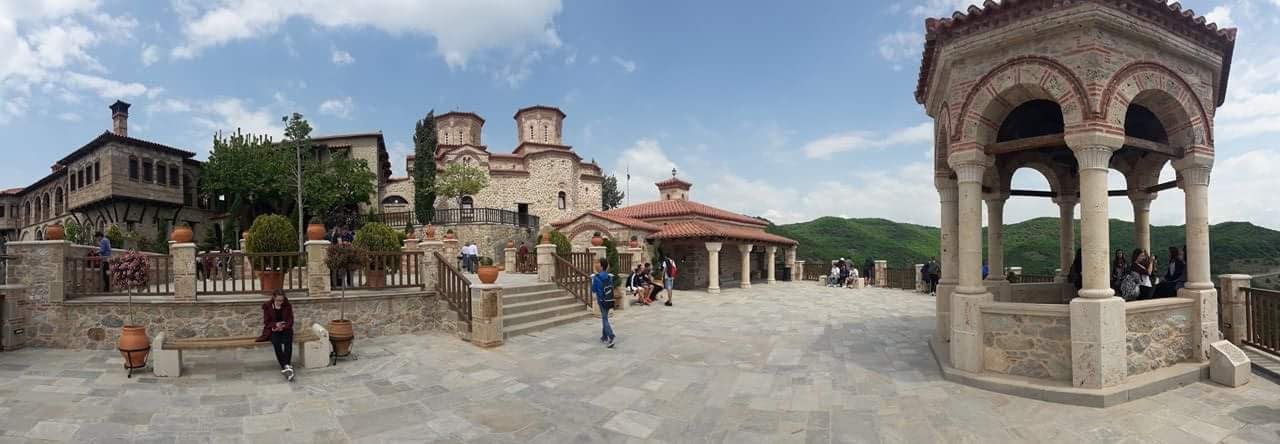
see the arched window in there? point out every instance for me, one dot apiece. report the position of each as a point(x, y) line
point(561, 201)
point(26, 209)
point(395, 200)
point(531, 132)
point(174, 180)
point(72, 182)
point(57, 201)
point(97, 171)
point(148, 168)
point(133, 168)
point(161, 177)
point(446, 137)
point(468, 207)
point(461, 140)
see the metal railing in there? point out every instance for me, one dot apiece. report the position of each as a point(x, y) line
point(454, 288)
point(395, 219)
point(812, 272)
point(4, 268)
point(901, 278)
point(463, 216)
point(574, 280)
point(86, 276)
point(1262, 313)
point(527, 264)
point(236, 272)
point(385, 270)
point(1032, 279)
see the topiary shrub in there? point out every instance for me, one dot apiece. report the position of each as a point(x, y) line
point(377, 237)
point(611, 255)
point(116, 236)
point(486, 261)
point(272, 233)
point(563, 246)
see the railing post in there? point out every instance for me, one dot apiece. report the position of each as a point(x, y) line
point(427, 271)
point(882, 278)
point(509, 259)
point(919, 277)
point(318, 276)
point(1233, 308)
point(451, 249)
point(184, 271)
point(797, 272)
point(546, 262)
point(486, 315)
point(42, 268)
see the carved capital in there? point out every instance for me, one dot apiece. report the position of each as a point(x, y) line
point(745, 248)
point(714, 247)
point(1198, 175)
point(1141, 200)
point(969, 165)
point(1093, 157)
point(949, 195)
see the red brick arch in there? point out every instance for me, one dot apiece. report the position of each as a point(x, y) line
point(1028, 77)
point(588, 226)
point(1166, 94)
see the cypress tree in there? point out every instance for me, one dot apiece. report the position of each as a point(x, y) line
point(424, 168)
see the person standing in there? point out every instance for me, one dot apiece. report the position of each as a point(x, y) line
point(602, 286)
point(1143, 265)
point(277, 320)
point(932, 273)
point(668, 271)
point(1175, 277)
point(1119, 267)
point(104, 257)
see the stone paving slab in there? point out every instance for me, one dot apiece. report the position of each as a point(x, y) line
point(789, 362)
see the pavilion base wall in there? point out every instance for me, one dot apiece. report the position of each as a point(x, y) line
point(1030, 340)
point(1159, 333)
point(1038, 293)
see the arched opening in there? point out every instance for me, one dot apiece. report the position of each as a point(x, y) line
point(57, 201)
point(1033, 118)
point(561, 201)
point(1140, 122)
point(467, 204)
point(394, 200)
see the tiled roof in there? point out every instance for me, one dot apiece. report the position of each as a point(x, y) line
point(11, 191)
point(622, 220)
point(107, 137)
point(527, 108)
point(992, 15)
point(670, 208)
point(462, 113)
point(674, 182)
point(700, 229)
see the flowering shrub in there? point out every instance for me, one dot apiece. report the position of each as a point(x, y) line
point(128, 270)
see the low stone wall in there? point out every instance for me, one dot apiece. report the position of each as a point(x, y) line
point(89, 324)
point(1159, 333)
point(491, 239)
point(1031, 340)
point(1039, 293)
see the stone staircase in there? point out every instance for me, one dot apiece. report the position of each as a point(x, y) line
point(531, 308)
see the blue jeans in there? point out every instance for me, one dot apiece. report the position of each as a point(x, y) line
point(606, 331)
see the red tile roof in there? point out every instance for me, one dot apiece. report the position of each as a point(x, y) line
point(622, 220)
point(527, 108)
point(670, 208)
point(992, 15)
point(11, 191)
point(673, 182)
point(700, 229)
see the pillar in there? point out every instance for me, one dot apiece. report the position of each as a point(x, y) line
point(41, 267)
point(486, 315)
point(1098, 327)
point(1066, 234)
point(789, 258)
point(770, 252)
point(546, 262)
point(969, 294)
point(797, 271)
point(919, 277)
point(318, 280)
point(882, 273)
point(948, 196)
point(451, 250)
point(996, 282)
point(598, 253)
point(744, 251)
point(1142, 218)
point(184, 270)
point(713, 267)
point(509, 259)
point(1193, 172)
point(428, 271)
point(1233, 309)
point(637, 256)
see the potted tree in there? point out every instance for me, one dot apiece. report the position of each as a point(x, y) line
point(342, 259)
point(596, 240)
point(129, 272)
point(378, 238)
point(272, 233)
point(181, 233)
point(315, 229)
point(487, 272)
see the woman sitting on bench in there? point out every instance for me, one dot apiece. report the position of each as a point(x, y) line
point(277, 320)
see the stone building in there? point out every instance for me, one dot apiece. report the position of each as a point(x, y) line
point(711, 246)
point(1071, 89)
point(141, 186)
point(370, 147)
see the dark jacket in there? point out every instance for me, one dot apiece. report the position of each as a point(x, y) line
point(1177, 272)
point(268, 320)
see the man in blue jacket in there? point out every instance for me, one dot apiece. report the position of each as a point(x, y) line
point(602, 287)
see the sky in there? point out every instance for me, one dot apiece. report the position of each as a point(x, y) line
point(785, 110)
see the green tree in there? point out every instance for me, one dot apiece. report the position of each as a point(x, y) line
point(610, 195)
point(424, 168)
point(459, 180)
point(297, 138)
point(250, 173)
point(335, 184)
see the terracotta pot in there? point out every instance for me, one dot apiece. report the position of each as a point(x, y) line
point(430, 232)
point(134, 346)
point(448, 234)
point(546, 237)
point(181, 234)
point(597, 241)
point(315, 232)
point(271, 281)
point(54, 232)
point(633, 243)
point(341, 334)
point(511, 244)
point(375, 278)
point(488, 274)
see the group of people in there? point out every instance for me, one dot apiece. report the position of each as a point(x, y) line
point(468, 256)
point(640, 282)
point(931, 272)
point(843, 274)
point(1132, 277)
point(221, 267)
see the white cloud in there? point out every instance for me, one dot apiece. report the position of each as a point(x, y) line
point(629, 66)
point(171, 105)
point(69, 117)
point(900, 46)
point(110, 89)
point(648, 163)
point(516, 72)
point(1220, 15)
point(459, 27)
point(150, 55)
point(340, 57)
point(398, 150)
point(226, 115)
point(1235, 191)
point(340, 108)
point(824, 147)
point(571, 58)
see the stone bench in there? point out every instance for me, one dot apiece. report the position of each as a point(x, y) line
point(313, 349)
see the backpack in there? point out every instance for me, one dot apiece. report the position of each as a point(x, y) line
point(669, 267)
point(1129, 286)
point(607, 286)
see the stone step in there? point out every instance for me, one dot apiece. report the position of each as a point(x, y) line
point(511, 309)
point(531, 288)
point(533, 316)
point(516, 330)
point(508, 299)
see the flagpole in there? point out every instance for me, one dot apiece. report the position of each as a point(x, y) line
point(628, 195)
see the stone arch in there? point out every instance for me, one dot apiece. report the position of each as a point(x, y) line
point(588, 226)
point(1006, 86)
point(940, 141)
point(1165, 94)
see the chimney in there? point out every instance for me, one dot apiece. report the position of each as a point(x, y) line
point(120, 118)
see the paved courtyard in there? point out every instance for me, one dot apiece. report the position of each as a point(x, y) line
point(790, 362)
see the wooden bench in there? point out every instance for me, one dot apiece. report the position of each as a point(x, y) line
point(313, 348)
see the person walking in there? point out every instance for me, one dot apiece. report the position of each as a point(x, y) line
point(932, 274)
point(104, 257)
point(602, 286)
point(277, 320)
point(668, 271)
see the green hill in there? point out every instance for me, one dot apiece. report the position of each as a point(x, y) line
point(1237, 247)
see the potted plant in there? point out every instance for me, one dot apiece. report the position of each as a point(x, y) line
point(487, 272)
point(378, 238)
point(315, 229)
point(181, 233)
point(448, 234)
point(634, 242)
point(54, 231)
point(272, 233)
point(342, 259)
point(430, 232)
point(596, 240)
point(408, 231)
point(129, 272)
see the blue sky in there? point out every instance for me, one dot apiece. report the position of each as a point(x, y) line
point(786, 110)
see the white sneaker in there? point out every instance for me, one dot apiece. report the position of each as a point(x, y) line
point(288, 372)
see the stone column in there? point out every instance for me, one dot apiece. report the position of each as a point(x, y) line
point(318, 281)
point(882, 273)
point(486, 315)
point(546, 262)
point(1233, 315)
point(744, 250)
point(797, 271)
point(713, 265)
point(1066, 234)
point(789, 258)
point(1142, 218)
point(969, 294)
point(428, 272)
point(509, 259)
point(770, 252)
point(919, 277)
point(949, 256)
point(1098, 327)
point(598, 253)
point(996, 282)
point(637, 256)
point(184, 271)
point(1193, 172)
point(451, 250)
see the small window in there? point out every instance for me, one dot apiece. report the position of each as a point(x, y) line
point(560, 201)
point(133, 168)
point(147, 169)
point(174, 180)
point(1, 211)
point(73, 181)
point(461, 140)
point(161, 177)
point(97, 171)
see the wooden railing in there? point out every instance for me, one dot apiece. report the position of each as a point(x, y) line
point(236, 273)
point(624, 265)
point(527, 264)
point(586, 262)
point(497, 216)
point(1032, 279)
point(1262, 312)
point(84, 277)
point(454, 287)
point(900, 278)
point(573, 280)
point(397, 270)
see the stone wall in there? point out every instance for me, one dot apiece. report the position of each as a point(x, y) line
point(1038, 293)
point(1027, 340)
point(87, 324)
point(1159, 333)
point(491, 239)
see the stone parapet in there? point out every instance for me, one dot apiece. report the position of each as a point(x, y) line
point(486, 315)
point(319, 283)
point(509, 260)
point(429, 263)
point(184, 271)
point(1234, 324)
point(1158, 334)
point(546, 262)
